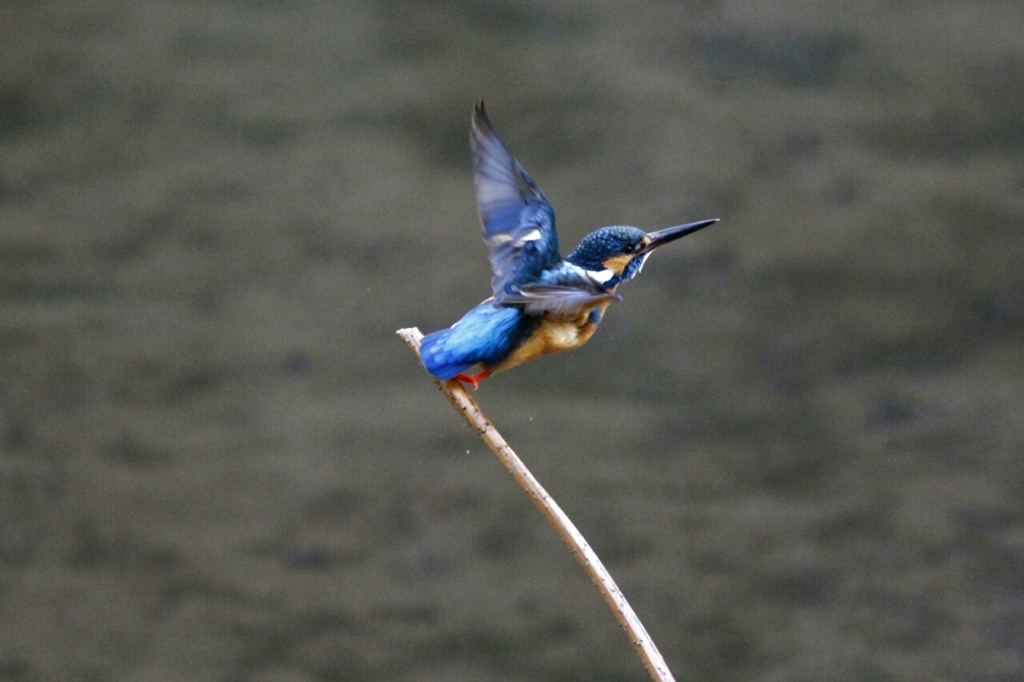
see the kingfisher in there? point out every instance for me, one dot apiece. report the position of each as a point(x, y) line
point(541, 303)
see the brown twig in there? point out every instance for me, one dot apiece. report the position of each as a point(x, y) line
point(578, 546)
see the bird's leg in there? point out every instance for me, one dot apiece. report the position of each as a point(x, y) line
point(472, 379)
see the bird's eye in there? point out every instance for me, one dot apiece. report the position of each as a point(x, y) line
point(629, 248)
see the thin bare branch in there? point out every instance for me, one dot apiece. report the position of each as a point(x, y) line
point(577, 544)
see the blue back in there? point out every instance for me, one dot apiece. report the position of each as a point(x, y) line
point(487, 334)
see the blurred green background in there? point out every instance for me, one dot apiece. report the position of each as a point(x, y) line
point(797, 444)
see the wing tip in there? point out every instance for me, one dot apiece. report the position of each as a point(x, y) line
point(480, 127)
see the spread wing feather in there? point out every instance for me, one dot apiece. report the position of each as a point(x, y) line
point(517, 219)
point(556, 301)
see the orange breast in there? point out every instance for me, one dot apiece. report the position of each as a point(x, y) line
point(553, 336)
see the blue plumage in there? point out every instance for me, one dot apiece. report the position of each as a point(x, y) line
point(541, 303)
point(487, 334)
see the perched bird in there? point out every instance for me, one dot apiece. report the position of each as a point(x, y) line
point(541, 303)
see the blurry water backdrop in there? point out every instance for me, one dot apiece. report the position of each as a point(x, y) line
point(797, 443)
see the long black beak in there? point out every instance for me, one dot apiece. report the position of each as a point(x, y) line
point(670, 234)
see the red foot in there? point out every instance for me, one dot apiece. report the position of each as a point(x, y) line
point(472, 379)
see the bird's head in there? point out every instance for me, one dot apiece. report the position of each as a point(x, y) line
point(613, 255)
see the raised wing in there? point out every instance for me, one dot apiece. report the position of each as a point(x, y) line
point(518, 221)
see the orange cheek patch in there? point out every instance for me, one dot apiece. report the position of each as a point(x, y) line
point(618, 263)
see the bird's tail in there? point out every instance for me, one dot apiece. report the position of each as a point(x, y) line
point(442, 359)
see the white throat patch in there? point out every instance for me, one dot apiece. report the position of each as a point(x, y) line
point(640, 265)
